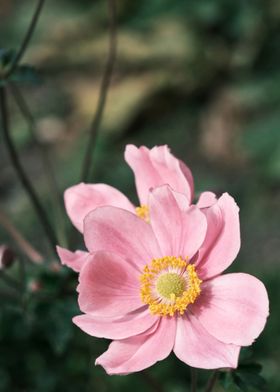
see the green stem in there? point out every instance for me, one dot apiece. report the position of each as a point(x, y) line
point(193, 380)
point(212, 381)
point(26, 38)
point(21, 173)
point(25, 246)
point(105, 83)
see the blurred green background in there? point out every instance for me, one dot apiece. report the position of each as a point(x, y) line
point(201, 76)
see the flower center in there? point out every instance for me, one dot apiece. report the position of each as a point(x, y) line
point(168, 285)
point(143, 212)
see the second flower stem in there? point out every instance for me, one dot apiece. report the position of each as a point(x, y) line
point(105, 83)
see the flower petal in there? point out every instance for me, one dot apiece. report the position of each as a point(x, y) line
point(206, 199)
point(233, 308)
point(108, 286)
point(222, 242)
point(197, 348)
point(140, 352)
point(179, 233)
point(123, 233)
point(82, 198)
point(157, 167)
point(74, 260)
point(116, 328)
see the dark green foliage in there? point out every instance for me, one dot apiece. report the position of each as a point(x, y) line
point(245, 378)
point(26, 74)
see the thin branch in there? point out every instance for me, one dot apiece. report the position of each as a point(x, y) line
point(21, 173)
point(105, 83)
point(26, 38)
point(23, 244)
point(212, 381)
point(193, 380)
point(55, 193)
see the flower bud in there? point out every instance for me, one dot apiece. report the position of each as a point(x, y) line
point(7, 256)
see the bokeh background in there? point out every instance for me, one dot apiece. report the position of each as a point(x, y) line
point(201, 76)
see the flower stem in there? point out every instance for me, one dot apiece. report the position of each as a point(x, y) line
point(212, 381)
point(32, 254)
point(105, 83)
point(21, 173)
point(47, 164)
point(26, 38)
point(193, 380)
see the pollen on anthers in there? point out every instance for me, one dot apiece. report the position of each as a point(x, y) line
point(168, 285)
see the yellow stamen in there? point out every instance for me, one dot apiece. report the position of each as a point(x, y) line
point(169, 285)
point(143, 212)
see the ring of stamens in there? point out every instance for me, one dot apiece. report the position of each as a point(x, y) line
point(168, 285)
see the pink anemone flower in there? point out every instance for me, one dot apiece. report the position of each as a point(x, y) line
point(152, 168)
point(157, 287)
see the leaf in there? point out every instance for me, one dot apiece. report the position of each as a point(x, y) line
point(26, 74)
point(227, 382)
point(245, 378)
point(249, 374)
point(62, 328)
point(239, 382)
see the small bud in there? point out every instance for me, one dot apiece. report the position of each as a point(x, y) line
point(35, 286)
point(7, 256)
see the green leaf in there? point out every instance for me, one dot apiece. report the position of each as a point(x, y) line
point(26, 74)
point(227, 382)
point(249, 374)
point(245, 378)
point(57, 326)
point(239, 382)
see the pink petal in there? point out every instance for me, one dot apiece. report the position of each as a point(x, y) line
point(222, 242)
point(181, 200)
point(206, 199)
point(74, 260)
point(122, 233)
point(233, 308)
point(197, 348)
point(82, 198)
point(157, 167)
point(140, 352)
point(179, 233)
point(116, 328)
point(109, 286)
